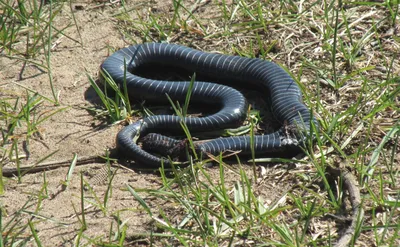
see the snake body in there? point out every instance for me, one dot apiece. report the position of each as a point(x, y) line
point(285, 97)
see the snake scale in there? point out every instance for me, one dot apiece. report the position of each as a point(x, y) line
point(284, 96)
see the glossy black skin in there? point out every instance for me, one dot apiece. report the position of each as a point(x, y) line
point(285, 97)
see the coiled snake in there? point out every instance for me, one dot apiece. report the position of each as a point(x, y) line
point(285, 98)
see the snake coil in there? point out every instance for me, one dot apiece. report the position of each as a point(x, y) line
point(285, 97)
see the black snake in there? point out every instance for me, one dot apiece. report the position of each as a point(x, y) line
point(285, 98)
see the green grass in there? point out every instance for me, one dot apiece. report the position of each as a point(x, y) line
point(20, 121)
point(27, 33)
point(344, 56)
point(117, 107)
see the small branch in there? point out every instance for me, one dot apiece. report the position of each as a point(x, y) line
point(350, 185)
point(10, 172)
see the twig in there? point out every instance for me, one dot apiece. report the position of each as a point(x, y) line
point(10, 172)
point(350, 185)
